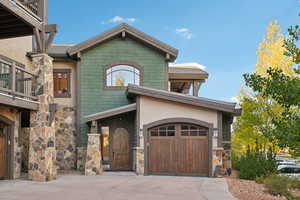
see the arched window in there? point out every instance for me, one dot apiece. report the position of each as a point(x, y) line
point(121, 75)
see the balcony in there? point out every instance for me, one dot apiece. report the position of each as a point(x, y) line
point(17, 85)
point(20, 17)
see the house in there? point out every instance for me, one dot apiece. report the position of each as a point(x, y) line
point(148, 112)
point(112, 102)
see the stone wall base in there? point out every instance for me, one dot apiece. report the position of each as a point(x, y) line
point(139, 161)
point(81, 155)
point(42, 154)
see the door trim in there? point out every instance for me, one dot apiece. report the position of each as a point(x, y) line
point(9, 148)
point(146, 127)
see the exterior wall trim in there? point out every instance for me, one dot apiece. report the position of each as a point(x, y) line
point(133, 64)
point(146, 127)
point(10, 150)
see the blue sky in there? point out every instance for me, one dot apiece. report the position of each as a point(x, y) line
point(222, 35)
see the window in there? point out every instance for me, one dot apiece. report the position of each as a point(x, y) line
point(168, 130)
point(191, 130)
point(62, 86)
point(121, 75)
point(286, 170)
point(105, 143)
point(189, 87)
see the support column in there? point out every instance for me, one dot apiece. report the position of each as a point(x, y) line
point(42, 152)
point(93, 165)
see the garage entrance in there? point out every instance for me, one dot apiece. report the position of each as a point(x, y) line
point(178, 149)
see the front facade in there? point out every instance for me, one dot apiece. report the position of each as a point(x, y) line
point(118, 104)
point(149, 115)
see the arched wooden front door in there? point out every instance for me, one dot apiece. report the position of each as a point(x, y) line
point(178, 149)
point(120, 149)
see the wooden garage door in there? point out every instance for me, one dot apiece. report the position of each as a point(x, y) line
point(178, 149)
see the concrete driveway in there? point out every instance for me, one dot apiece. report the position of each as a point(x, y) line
point(117, 186)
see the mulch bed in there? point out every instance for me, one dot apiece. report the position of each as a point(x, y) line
point(249, 190)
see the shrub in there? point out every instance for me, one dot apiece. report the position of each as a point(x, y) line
point(255, 164)
point(260, 179)
point(277, 185)
point(294, 183)
point(281, 185)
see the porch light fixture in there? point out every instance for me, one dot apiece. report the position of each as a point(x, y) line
point(141, 132)
point(216, 132)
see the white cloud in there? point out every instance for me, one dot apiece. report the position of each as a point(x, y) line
point(119, 19)
point(184, 32)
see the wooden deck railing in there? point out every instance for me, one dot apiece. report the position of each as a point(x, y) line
point(37, 7)
point(16, 81)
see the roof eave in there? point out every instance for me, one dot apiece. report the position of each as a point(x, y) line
point(130, 30)
point(135, 90)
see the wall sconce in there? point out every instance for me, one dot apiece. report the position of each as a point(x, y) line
point(216, 132)
point(141, 132)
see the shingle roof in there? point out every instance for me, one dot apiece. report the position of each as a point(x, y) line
point(130, 31)
point(185, 99)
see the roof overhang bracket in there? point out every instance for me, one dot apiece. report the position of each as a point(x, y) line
point(44, 36)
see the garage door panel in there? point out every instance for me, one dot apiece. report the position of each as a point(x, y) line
point(192, 156)
point(161, 155)
point(183, 153)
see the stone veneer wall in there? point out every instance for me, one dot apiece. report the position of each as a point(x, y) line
point(65, 133)
point(81, 156)
point(42, 151)
point(14, 115)
point(25, 134)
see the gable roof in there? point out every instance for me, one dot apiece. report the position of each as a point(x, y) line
point(185, 99)
point(132, 32)
point(111, 112)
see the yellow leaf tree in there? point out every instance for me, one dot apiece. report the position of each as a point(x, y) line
point(254, 126)
point(271, 52)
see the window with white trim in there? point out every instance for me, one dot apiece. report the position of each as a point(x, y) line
point(122, 75)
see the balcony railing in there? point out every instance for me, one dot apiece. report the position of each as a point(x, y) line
point(16, 81)
point(32, 5)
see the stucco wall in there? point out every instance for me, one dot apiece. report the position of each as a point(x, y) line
point(16, 49)
point(152, 110)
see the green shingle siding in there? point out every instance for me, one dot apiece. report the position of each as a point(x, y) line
point(94, 98)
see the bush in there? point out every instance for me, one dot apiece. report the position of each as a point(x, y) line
point(255, 164)
point(260, 179)
point(294, 183)
point(281, 185)
point(277, 185)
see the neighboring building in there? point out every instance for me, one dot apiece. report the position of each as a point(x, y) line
point(119, 84)
point(26, 92)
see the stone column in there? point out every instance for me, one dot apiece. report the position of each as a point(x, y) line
point(93, 164)
point(42, 153)
point(140, 168)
